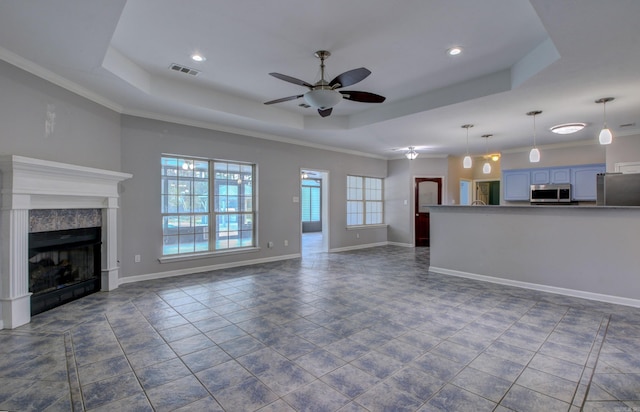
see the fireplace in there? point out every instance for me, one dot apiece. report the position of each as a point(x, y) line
point(64, 265)
point(30, 186)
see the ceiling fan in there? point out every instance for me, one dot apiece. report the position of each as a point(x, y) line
point(323, 95)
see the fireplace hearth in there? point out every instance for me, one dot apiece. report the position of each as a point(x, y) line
point(64, 265)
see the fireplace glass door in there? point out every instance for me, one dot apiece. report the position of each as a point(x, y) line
point(63, 265)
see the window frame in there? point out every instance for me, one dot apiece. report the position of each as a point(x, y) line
point(360, 201)
point(243, 198)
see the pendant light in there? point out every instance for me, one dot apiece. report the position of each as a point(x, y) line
point(466, 162)
point(486, 168)
point(411, 154)
point(534, 154)
point(605, 136)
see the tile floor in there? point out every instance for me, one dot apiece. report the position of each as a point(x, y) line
point(368, 330)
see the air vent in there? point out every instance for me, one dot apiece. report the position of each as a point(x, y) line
point(628, 125)
point(306, 106)
point(183, 69)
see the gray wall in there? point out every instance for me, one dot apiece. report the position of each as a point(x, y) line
point(144, 141)
point(85, 133)
point(589, 249)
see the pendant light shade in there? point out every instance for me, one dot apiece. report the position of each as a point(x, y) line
point(486, 168)
point(534, 154)
point(605, 136)
point(466, 162)
point(411, 154)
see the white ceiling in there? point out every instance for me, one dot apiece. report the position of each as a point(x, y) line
point(549, 55)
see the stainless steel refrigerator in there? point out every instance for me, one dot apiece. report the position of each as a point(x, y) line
point(618, 189)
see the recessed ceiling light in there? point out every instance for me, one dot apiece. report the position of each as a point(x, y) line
point(198, 57)
point(454, 51)
point(568, 128)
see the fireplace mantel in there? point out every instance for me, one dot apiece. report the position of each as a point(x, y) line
point(41, 184)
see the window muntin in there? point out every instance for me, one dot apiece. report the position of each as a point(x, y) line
point(194, 206)
point(364, 201)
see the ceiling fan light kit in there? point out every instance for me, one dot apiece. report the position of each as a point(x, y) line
point(324, 95)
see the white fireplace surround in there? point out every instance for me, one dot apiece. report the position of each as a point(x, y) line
point(41, 184)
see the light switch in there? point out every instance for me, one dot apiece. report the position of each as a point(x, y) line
point(296, 199)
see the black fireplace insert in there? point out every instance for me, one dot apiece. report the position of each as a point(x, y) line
point(64, 265)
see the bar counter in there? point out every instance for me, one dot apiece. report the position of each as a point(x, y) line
point(591, 252)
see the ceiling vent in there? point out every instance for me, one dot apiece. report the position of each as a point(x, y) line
point(183, 69)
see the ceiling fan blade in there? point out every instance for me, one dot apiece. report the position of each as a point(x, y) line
point(363, 97)
point(284, 99)
point(291, 80)
point(325, 112)
point(349, 78)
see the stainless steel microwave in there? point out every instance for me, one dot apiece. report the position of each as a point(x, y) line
point(550, 193)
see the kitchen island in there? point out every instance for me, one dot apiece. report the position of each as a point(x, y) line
point(591, 252)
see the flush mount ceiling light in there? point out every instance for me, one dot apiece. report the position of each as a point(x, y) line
point(486, 168)
point(534, 154)
point(568, 128)
point(454, 51)
point(466, 162)
point(197, 57)
point(411, 154)
point(605, 136)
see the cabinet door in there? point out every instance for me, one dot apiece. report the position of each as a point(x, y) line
point(562, 175)
point(583, 181)
point(540, 177)
point(517, 185)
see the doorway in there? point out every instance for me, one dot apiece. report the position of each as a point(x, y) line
point(487, 192)
point(428, 193)
point(465, 192)
point(314, 211)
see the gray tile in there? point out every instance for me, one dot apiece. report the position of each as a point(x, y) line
point(624, 387)
point(222, 376)
point(452, 398)
point(241, 346)
point(134, 403)
point(548, 384)
point(248, 395)
point(482, 384)
point(161, 373)
point(383, 397)
point(557, 367)
point(110, 390)
point(205, 358)
point(377, 364)
point(347, 349)
point(523, 399)
point(103, 369)
point(416, 382)
point(496, 366)
point(191, 344)
point(350, 380)
point(319, 362)
point(176, 394)
point(179, 332)
point(151, 355)
point(438, 366)
point(316, 397)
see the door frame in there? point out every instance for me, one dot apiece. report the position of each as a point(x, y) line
point(412, 200)
point(324, 205)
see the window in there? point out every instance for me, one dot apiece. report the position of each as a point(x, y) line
point(364, 201)
point(311, 200)
point(206, 205)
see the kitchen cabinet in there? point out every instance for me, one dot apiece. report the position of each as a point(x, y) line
point(517, 184)
point(583, 181)
point(540, 177)
point(560, 175)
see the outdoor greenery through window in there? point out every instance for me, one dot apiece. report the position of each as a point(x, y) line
point(364, 201)
point(207, 205)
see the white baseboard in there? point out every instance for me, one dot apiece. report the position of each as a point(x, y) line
point(618, 300)
point(400, 244)
point(190, 271)
point(356, 247)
